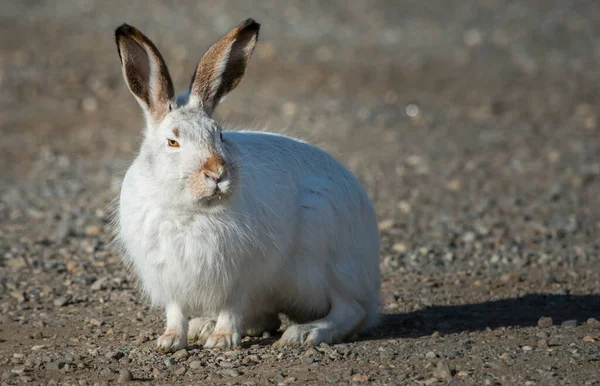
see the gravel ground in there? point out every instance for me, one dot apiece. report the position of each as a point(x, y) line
point(472, 124)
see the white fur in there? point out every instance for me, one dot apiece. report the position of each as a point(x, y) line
point(297, 235)
point(290, 231)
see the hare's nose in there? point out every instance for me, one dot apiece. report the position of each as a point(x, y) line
point(215, 178)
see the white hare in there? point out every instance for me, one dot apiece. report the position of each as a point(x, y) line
point(234, 228)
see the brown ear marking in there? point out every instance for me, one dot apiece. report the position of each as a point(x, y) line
point(222, 67)
point(135, 52)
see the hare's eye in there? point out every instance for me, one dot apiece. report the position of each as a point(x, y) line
point(172, 143)
point(221, 136)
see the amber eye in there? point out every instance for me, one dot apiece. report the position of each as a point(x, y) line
point(172, 143)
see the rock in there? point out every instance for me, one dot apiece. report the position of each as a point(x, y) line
point(95, 322)
point(62, 301)
point(593, 322)
point(526, 348)
point(442, 371)
point(226, 364)
point(545, 322)
point(195, 364)
point(180, 371)
point(115, 355)
point(9, 375)
point(107, 371)
point(99, 284)
point(170, 362)
point(56, 365)
point(430, 355)
point(181, 354)
point(306, 360)
point(569, 323)
point(360, 378)
point(38, 347)
point(125, 376)
point(229, 372)
point(588, 339)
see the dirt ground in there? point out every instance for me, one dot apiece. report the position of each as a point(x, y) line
point(473, 126)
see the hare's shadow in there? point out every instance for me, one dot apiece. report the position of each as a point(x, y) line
point(523, 311)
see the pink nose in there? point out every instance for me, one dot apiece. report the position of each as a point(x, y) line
point(213, 177)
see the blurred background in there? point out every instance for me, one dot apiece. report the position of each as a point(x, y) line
point(472, 124)
point(456, 115)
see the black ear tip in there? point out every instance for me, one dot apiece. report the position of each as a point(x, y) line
point(250, 24)
point(125, 29)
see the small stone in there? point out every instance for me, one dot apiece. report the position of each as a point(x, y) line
point(306, 360)
point(589, 339)
point(56, 365)
point(469, 237)
point(442, 371)
point(115, 355)
point(569, 323)
point(180, 371)
point(526, 348)
point(9, 375)
point(360, 378)
point(38, 347)
point(61, 301)
point(229, 372)
point(170, 362)
point(226, 364)
point(195, 364)
point(545, 322)
point(95, 322)
point(593, 322)
point(19, 295)
point(430, 355)
point(386, 224)
point(333, 380)
point(543, 343)
point(125, 376)
point(107, 371)
point(99, 284)
point(181, 354)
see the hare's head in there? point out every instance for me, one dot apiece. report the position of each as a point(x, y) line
point(183, 145)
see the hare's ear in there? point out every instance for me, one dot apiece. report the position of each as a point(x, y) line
point(222, 67)
point(145, 73)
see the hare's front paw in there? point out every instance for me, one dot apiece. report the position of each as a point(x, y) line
point(200, 330)
point(223, 340)
point(170, 341)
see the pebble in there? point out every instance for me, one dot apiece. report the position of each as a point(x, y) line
point(170, 362)
point(229, 372)
point(430, 355)
point(95, 322)
point(593, 322)
point(61, 301)
point(545, 322)
point(181, 354)
point(360, 378)
point(180, 371)
point(9, 375)
point(442, 371)
point(569, 323)
point(125, 376)
point(526, 348)
point(56, 365)
point(195, 364)
point(306, 360)
point(115, 355)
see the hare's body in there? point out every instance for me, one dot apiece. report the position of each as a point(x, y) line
point(297, 237)
point(237, 230)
